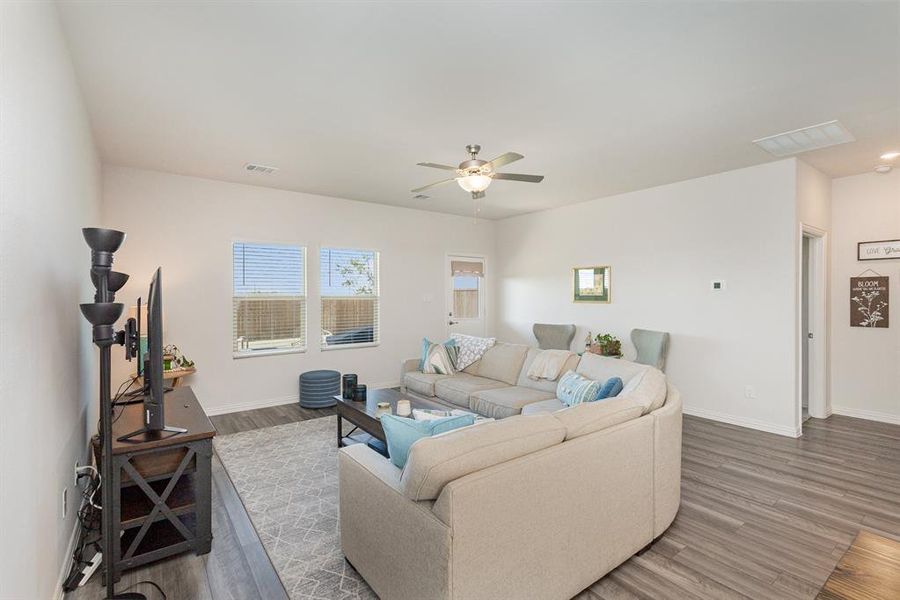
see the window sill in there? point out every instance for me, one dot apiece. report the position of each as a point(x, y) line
point(349, 346)
point(273, 352)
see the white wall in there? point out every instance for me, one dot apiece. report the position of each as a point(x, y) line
point(49, 189)
point(187, 226)
point(865, 363)
point(665, 245)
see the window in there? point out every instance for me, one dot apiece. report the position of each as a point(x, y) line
point(465, 296)
point(350, 292)
point(269, 298)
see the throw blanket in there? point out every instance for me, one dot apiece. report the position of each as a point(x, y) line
point(548, 364)
point(471, 349)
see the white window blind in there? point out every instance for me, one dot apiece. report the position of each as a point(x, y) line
point(269, 298)
point(350, 296)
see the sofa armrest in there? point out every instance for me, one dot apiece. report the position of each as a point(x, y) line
point(407, 366)
point(383, 532)
point(666, 461)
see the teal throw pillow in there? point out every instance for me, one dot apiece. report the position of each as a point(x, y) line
point(610, 389)
point(438, 358)
point(401, 433)
point(574, 389)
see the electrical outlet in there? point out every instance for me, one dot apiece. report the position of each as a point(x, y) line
point(65, 502)
point(750, 392)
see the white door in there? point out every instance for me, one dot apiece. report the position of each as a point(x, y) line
point(465, 294)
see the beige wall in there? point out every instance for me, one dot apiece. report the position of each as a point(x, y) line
point(665, 245)
point(187, 226)
point(865, 363)
point(49, 189)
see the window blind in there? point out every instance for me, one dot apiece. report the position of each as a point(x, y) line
point(350, 296)
point(269, 298)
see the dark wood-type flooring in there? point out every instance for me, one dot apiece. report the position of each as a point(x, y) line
point(762, 517)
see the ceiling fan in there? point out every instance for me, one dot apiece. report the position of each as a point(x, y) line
point(475, 175)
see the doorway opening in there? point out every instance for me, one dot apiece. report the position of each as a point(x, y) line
point(465, 295)
point(812, 334)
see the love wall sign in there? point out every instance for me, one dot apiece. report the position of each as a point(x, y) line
point(869, 301)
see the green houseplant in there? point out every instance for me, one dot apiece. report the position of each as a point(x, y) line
point(607, 344)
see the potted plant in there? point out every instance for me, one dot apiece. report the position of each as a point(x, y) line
point(607, 344)
point(174, 359)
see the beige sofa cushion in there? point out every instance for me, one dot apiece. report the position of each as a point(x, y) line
point(600, 368)
point(647, 388)
point(422, 383)
point(506, 402)
point(456, 389)
point(501, 361)
point(436, 461)
point(542, 384)
point(545, 406)
point(589, 417)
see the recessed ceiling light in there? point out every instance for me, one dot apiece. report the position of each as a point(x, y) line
point(883, 169)
point(890, 155)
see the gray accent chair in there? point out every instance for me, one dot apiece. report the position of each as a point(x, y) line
point(553, 337)
point(652, 347)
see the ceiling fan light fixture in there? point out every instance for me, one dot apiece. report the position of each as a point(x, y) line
point(474, 183)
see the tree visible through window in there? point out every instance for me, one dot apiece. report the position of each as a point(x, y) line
point(349, 288)
point(269, 298)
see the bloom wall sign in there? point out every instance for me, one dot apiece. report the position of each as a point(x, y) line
point(869, 301)
point(881, 250)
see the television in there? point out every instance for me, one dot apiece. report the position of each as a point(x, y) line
point(150, 364)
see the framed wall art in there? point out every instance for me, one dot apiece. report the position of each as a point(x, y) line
point(592, 284)
point(879, 250)
point(870, 301)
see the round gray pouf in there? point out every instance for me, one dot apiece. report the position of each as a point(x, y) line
point(318, 388)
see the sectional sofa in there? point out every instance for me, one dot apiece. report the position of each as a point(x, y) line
point(534, 506)
point(498, 385)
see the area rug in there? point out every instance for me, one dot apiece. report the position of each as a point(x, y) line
point(287, 479)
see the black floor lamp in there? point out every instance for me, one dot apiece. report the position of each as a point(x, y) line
point(102, 314)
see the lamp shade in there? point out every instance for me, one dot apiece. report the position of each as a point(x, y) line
point(474, 183)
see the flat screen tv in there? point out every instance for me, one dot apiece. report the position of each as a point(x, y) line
point(152, 365)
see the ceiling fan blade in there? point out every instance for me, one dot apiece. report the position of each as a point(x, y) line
point(517, 177)
point(431, 185)
point(505, 159)
point(437, 166)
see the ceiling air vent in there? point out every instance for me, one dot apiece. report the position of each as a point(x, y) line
point(814, 137)
point(421, 197)
point(262, 169)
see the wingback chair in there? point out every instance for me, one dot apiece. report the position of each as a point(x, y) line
point(652, 347)
point(553, 337)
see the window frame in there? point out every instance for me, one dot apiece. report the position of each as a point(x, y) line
point(240, 355)
point(377, 296)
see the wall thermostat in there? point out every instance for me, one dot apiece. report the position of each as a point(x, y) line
point(717, 285)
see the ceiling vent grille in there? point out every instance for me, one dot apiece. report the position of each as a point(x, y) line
point(421, 197)
point(814, 137)
point(261, 169)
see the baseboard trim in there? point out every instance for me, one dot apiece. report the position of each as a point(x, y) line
point(869, 415)
point(224, 409)
point(743, 421)
point(58, 592)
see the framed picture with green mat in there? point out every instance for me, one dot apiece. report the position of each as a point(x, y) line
point(592, 284)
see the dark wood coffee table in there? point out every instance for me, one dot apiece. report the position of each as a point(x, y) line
point(366, 415)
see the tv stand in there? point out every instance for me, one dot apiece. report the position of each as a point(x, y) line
point(162, 498)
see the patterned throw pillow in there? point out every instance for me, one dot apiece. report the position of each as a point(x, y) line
point(439, 358)
point(471, 348)
point(574, 389)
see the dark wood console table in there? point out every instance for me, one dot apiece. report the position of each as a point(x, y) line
point(164, 504)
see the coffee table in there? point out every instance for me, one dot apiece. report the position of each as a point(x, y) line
point(366, 415)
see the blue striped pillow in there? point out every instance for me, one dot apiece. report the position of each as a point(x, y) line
point(574, 389)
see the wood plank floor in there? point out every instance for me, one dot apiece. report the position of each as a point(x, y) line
point(762, 517)
point(870, 570)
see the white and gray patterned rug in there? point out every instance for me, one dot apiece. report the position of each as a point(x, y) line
point(287, 479)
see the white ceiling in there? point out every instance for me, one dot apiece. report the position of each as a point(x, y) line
point(601, 98)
